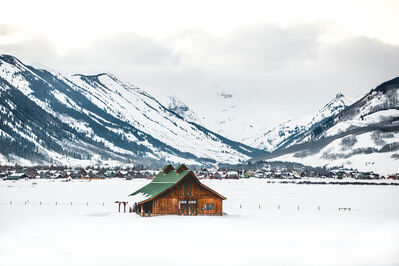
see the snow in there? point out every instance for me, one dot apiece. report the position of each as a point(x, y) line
point(62, 98)
point(272, 139)
point(380, 116)
point(138, 197)
point(182, 109)
point(10, 73)
point(336, 155)
point(78, 125)
point(92, 232)
point(380, 163)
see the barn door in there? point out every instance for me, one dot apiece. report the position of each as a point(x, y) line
point(183, 207)
point(187, 207)
point(192, 207)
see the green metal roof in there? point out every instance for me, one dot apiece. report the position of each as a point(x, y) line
point(160, 183)
point(12, 177)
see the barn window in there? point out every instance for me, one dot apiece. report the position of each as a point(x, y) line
point(188, 190)
point(209, 207)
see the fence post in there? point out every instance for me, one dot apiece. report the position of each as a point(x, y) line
point(278, 207)
point(240, 206)
point(298, 207)
point(318, 208)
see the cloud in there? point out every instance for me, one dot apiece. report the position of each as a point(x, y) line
point(127, 48)
point(6, 30)
point(265, 46)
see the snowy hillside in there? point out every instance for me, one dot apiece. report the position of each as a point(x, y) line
point(97, 119)
point(289, 133)
point(365, 135)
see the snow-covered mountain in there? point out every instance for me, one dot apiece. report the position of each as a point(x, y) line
point(291, 132)
point(98, 119)
point(239, 120)
point(233, 116)
point(364, 135)
point(49, 118)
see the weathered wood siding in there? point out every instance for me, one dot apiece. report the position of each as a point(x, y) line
point(218, 203)
point(168, 202)
point(165, 205)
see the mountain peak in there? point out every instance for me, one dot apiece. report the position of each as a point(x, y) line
point(339, 95)
point(95, 75)
point(112, 76)
point(9, 59)
point(225, 95)
point(338, 103)
point(390, 84)
point(177, 106)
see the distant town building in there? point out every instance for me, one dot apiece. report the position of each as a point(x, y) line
point(16, 176)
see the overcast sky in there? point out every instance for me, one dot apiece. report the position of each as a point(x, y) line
point(295, 55)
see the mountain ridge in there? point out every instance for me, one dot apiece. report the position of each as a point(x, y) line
point(363, 135)
point(48, 118)
point(287, 133)
point(125, 121)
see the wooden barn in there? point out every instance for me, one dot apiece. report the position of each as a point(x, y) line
point(179, 192)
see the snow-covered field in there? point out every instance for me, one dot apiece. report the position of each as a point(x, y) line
point(48, 230)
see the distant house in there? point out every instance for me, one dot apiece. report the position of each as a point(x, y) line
point(42, 173)
point(75, 175)
point(215, 175)
point(277, 174)
point(16, 176)
point(138, 174)
point(177, 191)
point(108, 174)
point(83, 173)
point(57, 175)
point(121, 174)
point(3, 174)
point(232, 175)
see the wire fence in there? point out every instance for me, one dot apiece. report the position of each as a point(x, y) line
point(55, 203)
point(259, 207)
point(286, 207)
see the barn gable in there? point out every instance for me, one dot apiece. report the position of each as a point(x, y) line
point(181, 168)
point(168, 168)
